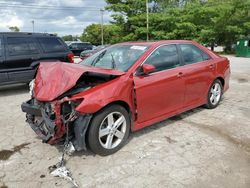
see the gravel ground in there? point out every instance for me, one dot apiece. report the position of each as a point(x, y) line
point(199, 148)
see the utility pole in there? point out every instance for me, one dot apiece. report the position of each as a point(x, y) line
point(102, 12)
point(33, 25)
point(147, 20)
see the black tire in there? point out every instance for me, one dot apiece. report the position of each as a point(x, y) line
point(93, 140)
point(210, 104)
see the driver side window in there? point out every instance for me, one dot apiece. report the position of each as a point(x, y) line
point(163, 58)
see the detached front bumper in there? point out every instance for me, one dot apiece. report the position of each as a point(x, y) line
point(51, 127)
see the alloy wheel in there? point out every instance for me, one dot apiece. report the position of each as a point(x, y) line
point(215, 93)
point(112, 130)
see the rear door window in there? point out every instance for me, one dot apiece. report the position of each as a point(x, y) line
point(164, 57)
point(192, 54)
point(51, 44)
point(21, 46)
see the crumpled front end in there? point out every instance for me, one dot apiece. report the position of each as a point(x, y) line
point(57, 91)
point(57, 121)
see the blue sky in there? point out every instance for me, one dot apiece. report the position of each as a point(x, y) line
point(51, 16)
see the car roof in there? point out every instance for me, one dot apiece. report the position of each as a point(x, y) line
point(150, 43)
point(27, 33)
point(79, 42)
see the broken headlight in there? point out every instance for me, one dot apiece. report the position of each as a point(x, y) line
point(76, 102)
point(69, 106)
point(68, 110)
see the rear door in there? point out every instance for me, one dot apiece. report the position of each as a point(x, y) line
point(199, 71)
point(161, 92)
point(3, 73)
point(20, 52)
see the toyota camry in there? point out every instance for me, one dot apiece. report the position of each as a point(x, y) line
point(97, 103)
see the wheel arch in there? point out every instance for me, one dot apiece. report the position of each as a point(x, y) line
point(118, 102)
point(89, 131)
point(126, 106)
point(221, 80)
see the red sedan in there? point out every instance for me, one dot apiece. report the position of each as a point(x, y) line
point(120, 89)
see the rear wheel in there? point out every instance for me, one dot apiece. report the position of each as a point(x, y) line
point(214, 94)
point(109, 130)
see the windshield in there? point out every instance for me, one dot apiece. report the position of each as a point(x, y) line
point(120, 57)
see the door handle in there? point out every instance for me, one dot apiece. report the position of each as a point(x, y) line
point(180, 74)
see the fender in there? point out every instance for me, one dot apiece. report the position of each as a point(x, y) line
point(102, 95)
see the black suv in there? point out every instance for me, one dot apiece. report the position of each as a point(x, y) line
point(20, 54)
point(78, 47)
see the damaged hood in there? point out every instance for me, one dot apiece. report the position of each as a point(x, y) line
point(55, 78)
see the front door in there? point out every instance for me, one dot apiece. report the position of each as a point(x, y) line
point(162, 91)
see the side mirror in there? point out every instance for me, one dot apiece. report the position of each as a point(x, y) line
point(147, 68)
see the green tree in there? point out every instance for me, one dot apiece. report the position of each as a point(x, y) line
point(130, 16)
point(70, 38)
point(92, 33)
point(14, 29)
point(207, 21)
point(219, 21)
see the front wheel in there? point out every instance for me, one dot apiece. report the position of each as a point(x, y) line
point(109, 130)
point(214, 94)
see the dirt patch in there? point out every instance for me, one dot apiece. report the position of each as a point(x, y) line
point(242, 80)
point(170, 140)
point(42, 176)
point(6, 154)
point(244, 144)
point(3, 186)
point(245, 111)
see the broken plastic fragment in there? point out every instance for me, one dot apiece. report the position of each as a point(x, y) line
point(63, 172)
point(69, 148)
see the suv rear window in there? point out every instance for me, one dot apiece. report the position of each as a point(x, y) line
point(83, 45)
point(51, 44)
point(21, 46)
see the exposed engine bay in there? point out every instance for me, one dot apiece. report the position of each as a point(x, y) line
point(57, 121)
point(86, 81)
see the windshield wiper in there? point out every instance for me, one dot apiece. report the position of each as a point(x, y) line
point(98, 58)
point(113, 62)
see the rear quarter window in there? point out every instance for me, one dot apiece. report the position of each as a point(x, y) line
point(21, 46)
point(51, 44)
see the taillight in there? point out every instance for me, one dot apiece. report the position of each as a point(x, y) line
point(71, 57)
